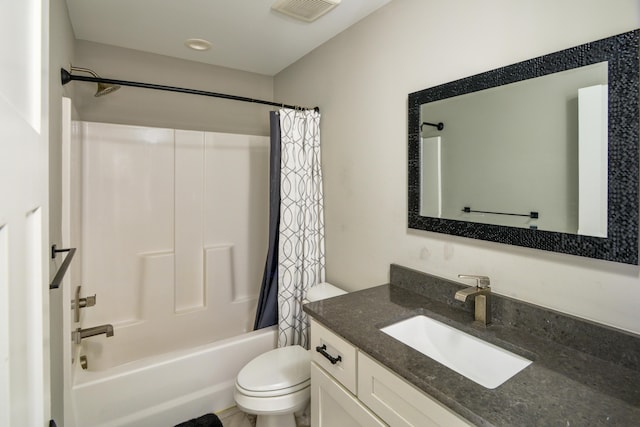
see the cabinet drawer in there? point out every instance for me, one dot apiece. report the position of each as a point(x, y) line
point(399, 403)
point(324, 345)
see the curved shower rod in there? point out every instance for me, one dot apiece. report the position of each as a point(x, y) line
point(67, 77)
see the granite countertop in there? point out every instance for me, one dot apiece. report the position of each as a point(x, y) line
point(583, 374)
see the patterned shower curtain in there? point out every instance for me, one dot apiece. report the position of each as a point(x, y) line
point(301, 245)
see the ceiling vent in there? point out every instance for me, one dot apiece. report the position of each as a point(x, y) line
point(305, 10)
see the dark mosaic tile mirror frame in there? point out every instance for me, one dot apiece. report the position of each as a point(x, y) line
point(621, 245)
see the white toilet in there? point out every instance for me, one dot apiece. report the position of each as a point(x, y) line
point(275, 384)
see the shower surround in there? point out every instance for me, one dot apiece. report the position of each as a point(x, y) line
point(171, 228)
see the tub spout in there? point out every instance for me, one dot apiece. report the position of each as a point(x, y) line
point(79, 334)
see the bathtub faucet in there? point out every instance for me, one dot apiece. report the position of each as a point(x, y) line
point(79, 334)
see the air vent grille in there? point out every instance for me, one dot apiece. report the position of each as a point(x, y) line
point(305, 10)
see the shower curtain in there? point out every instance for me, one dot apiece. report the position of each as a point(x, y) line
point(300, 240)
point(267, 313)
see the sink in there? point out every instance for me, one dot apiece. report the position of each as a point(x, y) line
point(478, 360)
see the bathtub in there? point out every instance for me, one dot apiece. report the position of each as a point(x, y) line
point(165, 390)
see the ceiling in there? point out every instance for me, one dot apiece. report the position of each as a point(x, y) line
point(245, 34)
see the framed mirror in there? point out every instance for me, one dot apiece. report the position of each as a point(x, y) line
point(541, 154)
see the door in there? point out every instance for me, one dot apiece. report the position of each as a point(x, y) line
point(24, 271)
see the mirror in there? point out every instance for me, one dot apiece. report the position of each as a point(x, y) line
point(542, 154)
point(553, 153)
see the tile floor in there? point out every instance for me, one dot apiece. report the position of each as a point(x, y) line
point(234, 417)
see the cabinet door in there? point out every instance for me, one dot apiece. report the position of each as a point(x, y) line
point(399, 403)
point(333, 406)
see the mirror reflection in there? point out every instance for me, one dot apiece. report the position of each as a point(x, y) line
point(531, 154)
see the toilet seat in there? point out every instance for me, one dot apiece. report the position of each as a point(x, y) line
point(277, 372)
point(272, 393)
point(273, 405)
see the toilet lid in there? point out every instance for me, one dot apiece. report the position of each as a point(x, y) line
point(277, 369)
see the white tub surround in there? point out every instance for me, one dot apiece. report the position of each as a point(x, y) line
point(173, 237)
point(171, 230)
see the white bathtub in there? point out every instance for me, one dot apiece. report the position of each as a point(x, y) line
point(165, 390)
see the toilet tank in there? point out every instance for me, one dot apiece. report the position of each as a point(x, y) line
point(322, 291)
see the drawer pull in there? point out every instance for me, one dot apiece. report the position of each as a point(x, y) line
point(323, 351)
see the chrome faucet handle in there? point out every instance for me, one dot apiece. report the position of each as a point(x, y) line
point(482, 282)
point(79, 303)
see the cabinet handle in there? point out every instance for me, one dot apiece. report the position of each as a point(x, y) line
point(323, 351)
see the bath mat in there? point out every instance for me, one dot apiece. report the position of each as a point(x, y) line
point(208, 420)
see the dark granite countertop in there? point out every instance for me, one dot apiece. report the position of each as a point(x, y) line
point(583, 373)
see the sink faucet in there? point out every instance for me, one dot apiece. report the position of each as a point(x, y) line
point(79, 334)
point(481, 293)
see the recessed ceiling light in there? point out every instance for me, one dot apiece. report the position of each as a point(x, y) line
point(198, 44)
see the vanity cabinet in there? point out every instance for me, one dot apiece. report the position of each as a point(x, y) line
point(358, 391)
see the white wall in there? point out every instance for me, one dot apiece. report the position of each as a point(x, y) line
point(361, 78)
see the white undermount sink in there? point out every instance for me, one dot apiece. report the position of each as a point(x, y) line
point(480, 361)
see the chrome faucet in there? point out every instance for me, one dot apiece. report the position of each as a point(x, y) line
point(79, 334)
point(481, 293)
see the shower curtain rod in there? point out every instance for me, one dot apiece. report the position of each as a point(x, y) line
point(67, 77)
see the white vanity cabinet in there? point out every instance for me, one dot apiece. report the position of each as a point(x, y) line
point(358, 391)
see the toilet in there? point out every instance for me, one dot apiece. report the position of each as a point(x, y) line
point(276, 384)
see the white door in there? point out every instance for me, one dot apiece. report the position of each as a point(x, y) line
point(24, 318)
